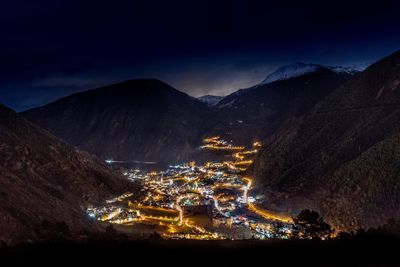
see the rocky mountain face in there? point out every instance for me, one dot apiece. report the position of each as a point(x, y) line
point(45, 181)
point(341, 157)
point(141, 120)
point(257, 112)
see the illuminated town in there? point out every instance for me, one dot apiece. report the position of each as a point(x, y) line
point(189, 201)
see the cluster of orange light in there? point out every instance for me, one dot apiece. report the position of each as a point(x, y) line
point(214, 143)
point(269, 215)
point(175, 221)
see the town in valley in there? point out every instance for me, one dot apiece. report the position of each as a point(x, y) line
point(210, 201)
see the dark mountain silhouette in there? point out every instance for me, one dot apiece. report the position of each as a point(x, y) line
point(342, 157)
point(139, 119)
point(257, 112)
point(44, 181)
point(148, 120)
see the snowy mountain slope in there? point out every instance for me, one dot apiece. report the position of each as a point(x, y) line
point(300, 69)
point(210, 100)
point(291, 71)
point(353, 69)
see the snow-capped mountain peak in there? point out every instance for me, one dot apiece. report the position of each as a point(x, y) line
point(291, 71)
point(353, 69)
point(210, 100)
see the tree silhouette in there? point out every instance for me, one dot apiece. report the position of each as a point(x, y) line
point(310, 225)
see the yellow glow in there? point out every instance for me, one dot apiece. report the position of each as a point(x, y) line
point(268, 215)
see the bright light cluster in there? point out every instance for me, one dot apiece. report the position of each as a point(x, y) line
point(219, 189)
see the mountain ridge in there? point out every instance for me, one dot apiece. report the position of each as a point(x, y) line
point(340, 157)
point(132, 120)
point(257, 112)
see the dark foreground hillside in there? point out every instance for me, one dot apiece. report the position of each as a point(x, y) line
point(362, 252)
point(46, 184)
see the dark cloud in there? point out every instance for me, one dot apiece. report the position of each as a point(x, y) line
point(52, 48)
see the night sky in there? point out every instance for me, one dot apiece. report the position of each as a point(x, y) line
point(52, 48)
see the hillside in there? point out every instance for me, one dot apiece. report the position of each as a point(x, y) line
point(43, 180)
point(258, 112)
point(342, 157)
point(141, 120)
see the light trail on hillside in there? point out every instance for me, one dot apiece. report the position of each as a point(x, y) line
point(110, 161)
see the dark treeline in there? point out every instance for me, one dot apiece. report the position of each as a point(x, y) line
point(313, 244)
point(310, 225)
point(373, 247)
